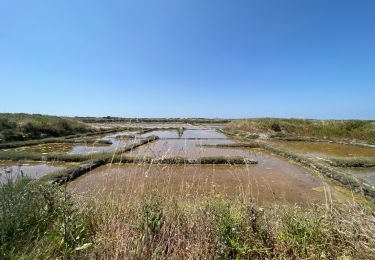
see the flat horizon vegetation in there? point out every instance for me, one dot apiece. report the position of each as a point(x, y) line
point(340, 130)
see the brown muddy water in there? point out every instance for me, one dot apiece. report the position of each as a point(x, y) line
point(321, 149)
point(191, 149)
point(188, 145)
point(203, 133)
point(272, 180)
point(163, 134)
point(35, 170)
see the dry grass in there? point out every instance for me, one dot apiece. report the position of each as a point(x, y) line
point(158, 228)
point(155, 225)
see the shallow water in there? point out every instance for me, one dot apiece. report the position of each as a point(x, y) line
point(187, 134)
point(367, 174)
point(191, 149)
point(13, 170)
point(84, 148)
point(117, 143)
point(163, 134)
point(89, 149)
point(203, 133)
point(188, 145)
point(273, 179)
point(321, 149)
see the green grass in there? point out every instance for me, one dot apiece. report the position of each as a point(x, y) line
point(39, 221)
point(21, 127)
point(346, 130)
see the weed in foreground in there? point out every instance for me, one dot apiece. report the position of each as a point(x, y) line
point(38, 220)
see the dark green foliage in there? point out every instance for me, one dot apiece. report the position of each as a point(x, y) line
point(152, 219)
point(6, 124)
point(275, 126)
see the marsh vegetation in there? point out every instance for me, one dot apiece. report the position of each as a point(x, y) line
point(340, 130)
point(21, 127)
point(156, 189)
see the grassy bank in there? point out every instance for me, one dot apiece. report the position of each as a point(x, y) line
point(77, 138)
point(352, 162)
point(343, 130)
point(234, 145)
point(110, 119)
point(21, 127)
point(40, 221)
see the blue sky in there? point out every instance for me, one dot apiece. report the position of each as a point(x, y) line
point(188, 58)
